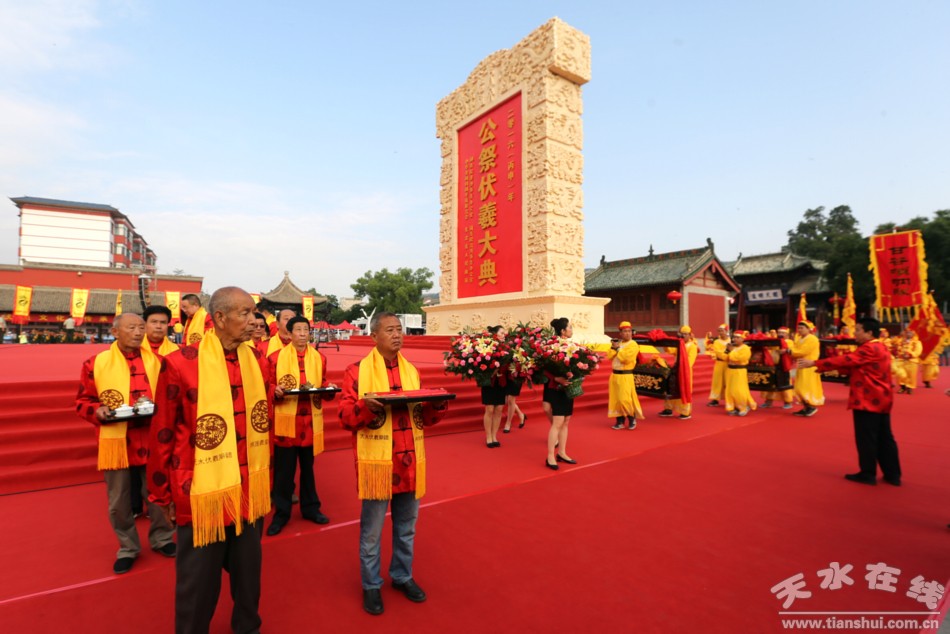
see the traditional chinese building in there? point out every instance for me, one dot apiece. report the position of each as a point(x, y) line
point(288, 295)
point(80, 234)
point(665, 290)
point(772, 286)
point(52, 286)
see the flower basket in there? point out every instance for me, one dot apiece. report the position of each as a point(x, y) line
point(483, 380)
point(574, 388)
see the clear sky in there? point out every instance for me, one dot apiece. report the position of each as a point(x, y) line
point(244, 139)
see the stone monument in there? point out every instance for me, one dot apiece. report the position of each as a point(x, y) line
point(511, 234)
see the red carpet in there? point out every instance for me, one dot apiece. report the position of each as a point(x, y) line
point(680, 526)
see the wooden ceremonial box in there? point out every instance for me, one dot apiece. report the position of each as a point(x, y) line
point(655, 380)
point(762, 377)
point(829, 348)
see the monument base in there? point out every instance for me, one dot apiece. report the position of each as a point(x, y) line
point(586, 315)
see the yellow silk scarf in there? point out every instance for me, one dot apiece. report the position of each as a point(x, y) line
point(285, 412)
point(374, 447)
point(112, 377)
point(216, 484)
point(148, 355)
point(196, 327)
point(274, 344)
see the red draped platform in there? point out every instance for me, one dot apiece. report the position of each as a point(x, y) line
point(679, 526)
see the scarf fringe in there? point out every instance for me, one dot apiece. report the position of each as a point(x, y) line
point(375, 479)
point(420, 478)
point(284, 425)
point(112, 454)
point(210, 513)
point(259, 491)
point(317, 442)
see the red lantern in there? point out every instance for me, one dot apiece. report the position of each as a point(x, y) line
point(674, 296)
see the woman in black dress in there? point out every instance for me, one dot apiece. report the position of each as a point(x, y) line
point(493, 398)
point(558, 406)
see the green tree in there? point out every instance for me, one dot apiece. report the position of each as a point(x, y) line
point(399, 292)
point(835, 239)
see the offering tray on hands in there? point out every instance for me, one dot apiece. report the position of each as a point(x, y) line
point(311, 390)
point(414, 396)
point(132, 417)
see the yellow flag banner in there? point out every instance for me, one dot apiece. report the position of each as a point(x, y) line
point(78, 303)
point(850, 311)
point(256, 297)
point(173, 301)
point(900, 272)
point(21, 304)
point(802, 311)
point(118, 303)
point(308, 307)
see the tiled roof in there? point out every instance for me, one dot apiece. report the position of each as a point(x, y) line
point(772, 263)
point(288, 293)
point(49, 299)
point(69, 204)
point(651, 270)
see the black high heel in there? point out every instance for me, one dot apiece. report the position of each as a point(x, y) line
point(561, 458)
point(553, 467)
point(523, 421)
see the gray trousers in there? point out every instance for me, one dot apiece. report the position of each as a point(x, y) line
point(118, 490)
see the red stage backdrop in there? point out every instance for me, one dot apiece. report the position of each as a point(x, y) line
point(900, 270)
point(490, 205)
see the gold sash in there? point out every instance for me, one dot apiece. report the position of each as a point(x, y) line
point(288, 377)
point(374, 447)
point(112, 377)
point(196, 327)
point(216, 484)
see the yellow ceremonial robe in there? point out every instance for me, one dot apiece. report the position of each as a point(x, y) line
point(677, 405)
point(622, 400)
point(807, 380)
point(738, 396)
point(909, 357)
point(719, 370)
point(930, 367)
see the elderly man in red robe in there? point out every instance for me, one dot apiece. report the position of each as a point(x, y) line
point(390, 457)
point(111, 379)
point(298, 423)
point(199, 320)
point(209, 464)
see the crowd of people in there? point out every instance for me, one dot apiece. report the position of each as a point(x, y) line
point(238, 413)
point(233, 409)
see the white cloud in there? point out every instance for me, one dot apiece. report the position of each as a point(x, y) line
point(42, 35)
point(33, 132)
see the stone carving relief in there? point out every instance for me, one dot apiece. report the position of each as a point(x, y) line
point(507, 320)
point(455, 323)
point(541, 318)
point(477, 321)
point(581, 320)
point(433, 324)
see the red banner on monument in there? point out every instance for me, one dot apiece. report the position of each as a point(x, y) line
point(900, 270)
point(490, 217)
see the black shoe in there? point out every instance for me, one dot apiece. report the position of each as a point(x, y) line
point(861, 478)
point(122, 565)
point(274, 529)
point(506, 430)
point(684, 416)
point(492, 445)
point(561, 458)
point(169, 549)
point(618, 426)
point(810, 411)
point(893, 481)
point(373, 601)
point(712, 404)
point(801, 412)
point(523, 421)
point(412, 591)
point(553, 467)
point(317, 518)
point(667, 413)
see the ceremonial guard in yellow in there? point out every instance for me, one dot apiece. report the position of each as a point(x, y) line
point(739, 400)
point(112, 379)
point(622, 401)
point(714, 349)
point(930, 368)
point(908, 355)
point(677, 406)
point(807, 380)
